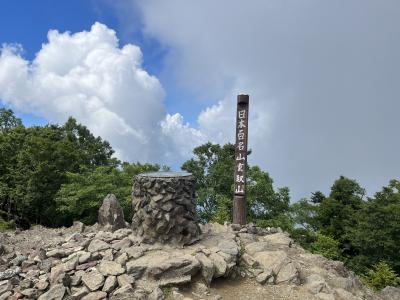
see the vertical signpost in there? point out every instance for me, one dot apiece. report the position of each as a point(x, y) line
point(239, 199)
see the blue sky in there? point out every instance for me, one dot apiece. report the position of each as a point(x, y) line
point(27, 23)
point(323, 79)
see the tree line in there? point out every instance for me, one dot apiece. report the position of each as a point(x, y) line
point(55, 174)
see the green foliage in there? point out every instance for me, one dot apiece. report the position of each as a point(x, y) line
point(82, 195)
point(6, 225)
point(34, 162)
point(336, 213)
point(317, 197)
point(8, 120)
point(213, 168)
point(362, 232)
point(376, 233)
point(326, 246)
point(303, 214)
point(282, 220)
point(380, 276)
point(223, 209)
point(263, 202)
point(5, 222)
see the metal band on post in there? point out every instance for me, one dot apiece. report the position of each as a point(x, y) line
point(239, 200)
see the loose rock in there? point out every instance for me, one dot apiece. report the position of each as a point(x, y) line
point(93, 279)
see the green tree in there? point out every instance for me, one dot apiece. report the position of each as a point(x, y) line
point(303, 214)
point(82, 195)
point(213, 168)
point(317, 197)
point(93, 151)
point(305, 225)
point(8, 120)
point(11, 142)
point(336, 213)
point(376, 234)
point(34, 162)
point(263, 201)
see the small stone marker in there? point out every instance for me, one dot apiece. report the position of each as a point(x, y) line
point(239, 201)
point(111, 215)
point(164, 207)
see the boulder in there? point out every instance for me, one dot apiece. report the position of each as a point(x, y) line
point(341, 294)
point(125, 279)
point(288, 273)
point(122, 244)
point(30, 293)
point(78, 227)
point(109, 284)
point(17, 261)
point(98, 245)
point(229, 246)
point(122, 259)
point(125, 292)
point(110, 268)
point(56, 292)
point(76, 279)
point(183, 264)
point(325, 296)
point(57, 253)
point(265, 276)
point(207, 267)
point(278, 240)
point(93, 279)
point(273, 260)
point(156, 294)
point(107, 254)
point(249, 260)
point(42, 285)
point(315, 284)
point(219, 264)
point(87, 265)
point(83, 257)
point(7, 274)
point(6, 295)
point(111, 215)
point(390, 293)
point(79, 293)
point(95, 296)
point(253, 248)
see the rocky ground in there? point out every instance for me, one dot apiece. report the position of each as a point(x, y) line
point(228, 262)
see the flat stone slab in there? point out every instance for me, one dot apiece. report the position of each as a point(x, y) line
point(165, 174)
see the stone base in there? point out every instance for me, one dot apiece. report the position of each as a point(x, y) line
point(164, 208)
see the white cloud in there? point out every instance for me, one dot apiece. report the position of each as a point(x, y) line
point(182, 138)
point(87, 75)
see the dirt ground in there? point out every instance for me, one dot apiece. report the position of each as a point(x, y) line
point(247, 289)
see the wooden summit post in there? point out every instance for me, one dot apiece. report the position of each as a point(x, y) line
point(242, 121)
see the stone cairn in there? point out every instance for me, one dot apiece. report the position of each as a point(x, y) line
point(164, 208)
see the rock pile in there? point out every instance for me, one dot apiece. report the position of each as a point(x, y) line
point(118, 265)
point(164, 208)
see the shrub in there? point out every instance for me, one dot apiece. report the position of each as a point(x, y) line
point(380, 276)
point(6, 225)
point(326, 246)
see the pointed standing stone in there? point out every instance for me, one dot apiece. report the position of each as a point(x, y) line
point(111, 215)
